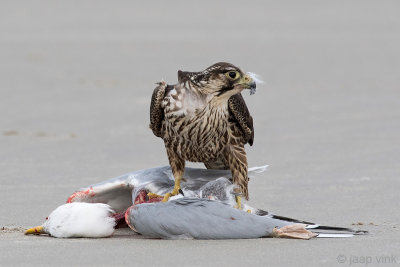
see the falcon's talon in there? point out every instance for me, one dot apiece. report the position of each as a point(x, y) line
point(151, 195)
point(166, 197)
point(238, 203)
point(177, 189)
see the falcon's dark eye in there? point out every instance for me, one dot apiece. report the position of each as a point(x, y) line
point(233, 74)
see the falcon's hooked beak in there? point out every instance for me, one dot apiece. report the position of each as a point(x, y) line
point(248, 82)
point(38, 230)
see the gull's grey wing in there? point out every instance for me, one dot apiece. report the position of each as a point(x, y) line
point(116, 192)
point(119, 191)
point(196, 177)
point(240, 113)
point(194, 218)
point(189, 218)
point(156, 111)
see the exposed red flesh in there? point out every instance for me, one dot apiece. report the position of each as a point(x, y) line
point(142, 198)
point(81, 194)
point(119, 220)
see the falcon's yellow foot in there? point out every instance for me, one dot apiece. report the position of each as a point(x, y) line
point(238, 203)
point(153, 195)
point(174, 192)
point(166, 197)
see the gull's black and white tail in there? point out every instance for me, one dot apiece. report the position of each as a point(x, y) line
point(322, 231)
point(332, 231)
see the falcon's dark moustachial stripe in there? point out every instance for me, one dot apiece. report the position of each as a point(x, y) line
point(204, 118)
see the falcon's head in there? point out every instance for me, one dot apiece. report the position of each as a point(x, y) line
point(221, 79)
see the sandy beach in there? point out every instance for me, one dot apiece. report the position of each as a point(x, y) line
point(76, 79)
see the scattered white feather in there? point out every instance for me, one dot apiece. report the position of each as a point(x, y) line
point(334, 235)
point(256, 78)
point(261, 169)
point(178, 196)
point(81, 220)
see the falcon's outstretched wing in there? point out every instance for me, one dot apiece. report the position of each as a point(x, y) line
point(240, 112)
point(156, 111)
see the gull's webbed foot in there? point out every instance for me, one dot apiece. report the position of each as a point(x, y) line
point(296, 230)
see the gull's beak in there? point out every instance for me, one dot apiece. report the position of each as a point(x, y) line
point(38, 230)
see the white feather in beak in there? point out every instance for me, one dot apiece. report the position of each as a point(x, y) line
point(257, 79)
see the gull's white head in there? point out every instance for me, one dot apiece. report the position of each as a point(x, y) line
point(78, 219)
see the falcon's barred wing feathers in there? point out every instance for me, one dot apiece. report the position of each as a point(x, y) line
point(241, 114)
point(156, 111)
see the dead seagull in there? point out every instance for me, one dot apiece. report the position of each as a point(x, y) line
point(120, 192)
point(78, 220)
point(202, 218)
point(194, 218)
point(206, 211)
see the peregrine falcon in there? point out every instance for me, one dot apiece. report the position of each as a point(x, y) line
point(204, 118)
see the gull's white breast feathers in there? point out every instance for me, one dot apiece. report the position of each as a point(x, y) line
point(80, 220)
